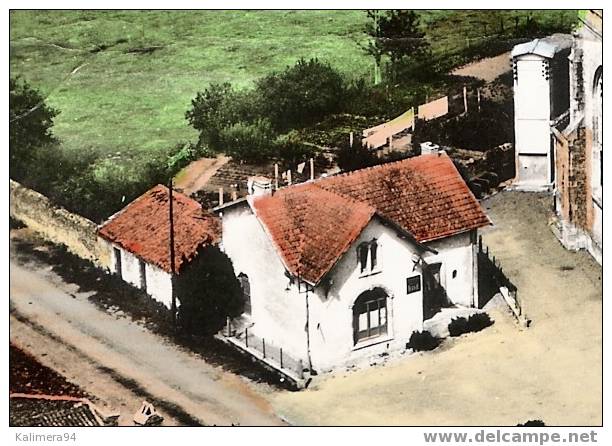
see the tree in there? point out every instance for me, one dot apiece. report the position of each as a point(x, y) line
point(396, 34)
point(354, 157)
point(30, 123)
point(291, 149)
point(249, 142)
point(208, 293)
point(211, 112)
point(300, 95)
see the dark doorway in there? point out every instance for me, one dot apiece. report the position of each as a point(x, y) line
point(117, 253)
point(143, 275)
point(246, 292)
point(434, 295)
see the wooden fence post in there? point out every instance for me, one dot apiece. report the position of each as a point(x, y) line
point(281, 358)
point(246, 337)
point(275, 176)
point(263, 343)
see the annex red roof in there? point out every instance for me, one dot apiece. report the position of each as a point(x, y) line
point(313, 224)
point(143, 228)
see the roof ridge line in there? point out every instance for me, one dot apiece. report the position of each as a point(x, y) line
point(377, 166)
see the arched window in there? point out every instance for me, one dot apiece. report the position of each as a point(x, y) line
point(370, 315)
point(367, 256)
point(246, 291)
point(598, 126)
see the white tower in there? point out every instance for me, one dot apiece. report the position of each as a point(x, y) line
point(541, 94)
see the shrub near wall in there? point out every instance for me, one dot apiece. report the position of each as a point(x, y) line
point(57, 224)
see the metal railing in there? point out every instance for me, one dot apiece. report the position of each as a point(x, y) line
point(270, 352)
point(490, 269)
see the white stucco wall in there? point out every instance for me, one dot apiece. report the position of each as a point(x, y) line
point(331, 313)
point(457, 253)
point(158, 281)
point(279, 315)
point(159, 285)
point(532, 114)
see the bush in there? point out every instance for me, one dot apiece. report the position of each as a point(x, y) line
point(476, 322)
point(532, 423)
point(423, 341)
point(291, 149)
point(211, 111)
point(251, 143)
point(300, 95)
point(492, 127)
point(95, 187)
point(208, 293)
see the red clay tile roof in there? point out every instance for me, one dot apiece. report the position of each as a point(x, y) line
point(311, 227)
point(313, 224)
point(425, 195)
point(142, 228)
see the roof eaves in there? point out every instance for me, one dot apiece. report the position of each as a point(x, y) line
point(403, 232)
point(344, 249)
point(276, 247)
point(230, 204)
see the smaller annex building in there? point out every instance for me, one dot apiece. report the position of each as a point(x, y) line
point(349, 266)
point(138, 239)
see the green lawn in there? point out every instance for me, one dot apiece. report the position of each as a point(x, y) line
point(134, 102)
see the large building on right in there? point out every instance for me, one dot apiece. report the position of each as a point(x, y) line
point(576, 137)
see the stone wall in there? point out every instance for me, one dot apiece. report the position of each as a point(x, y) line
point(56, 224)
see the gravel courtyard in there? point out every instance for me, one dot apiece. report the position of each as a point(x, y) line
point(503, 375)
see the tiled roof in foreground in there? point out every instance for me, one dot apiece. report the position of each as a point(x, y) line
point(143, 228)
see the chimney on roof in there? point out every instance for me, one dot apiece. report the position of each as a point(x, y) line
point(428, 147)
point(259, 186)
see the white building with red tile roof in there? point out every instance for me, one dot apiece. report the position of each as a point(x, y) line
point(350, 266)
point(138, 239)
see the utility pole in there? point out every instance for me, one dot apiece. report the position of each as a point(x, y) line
point(172, 266)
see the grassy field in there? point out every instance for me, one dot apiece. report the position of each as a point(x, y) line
point(120, 100)
point(139, 70)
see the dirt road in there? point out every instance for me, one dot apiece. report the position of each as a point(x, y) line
point(68, 333)
point(487, 69)
point(499, 376)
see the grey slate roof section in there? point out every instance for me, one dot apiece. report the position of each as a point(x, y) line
point(546, 47)
point(40, 412)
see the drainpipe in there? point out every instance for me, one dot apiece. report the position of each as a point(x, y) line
point(307, 325)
